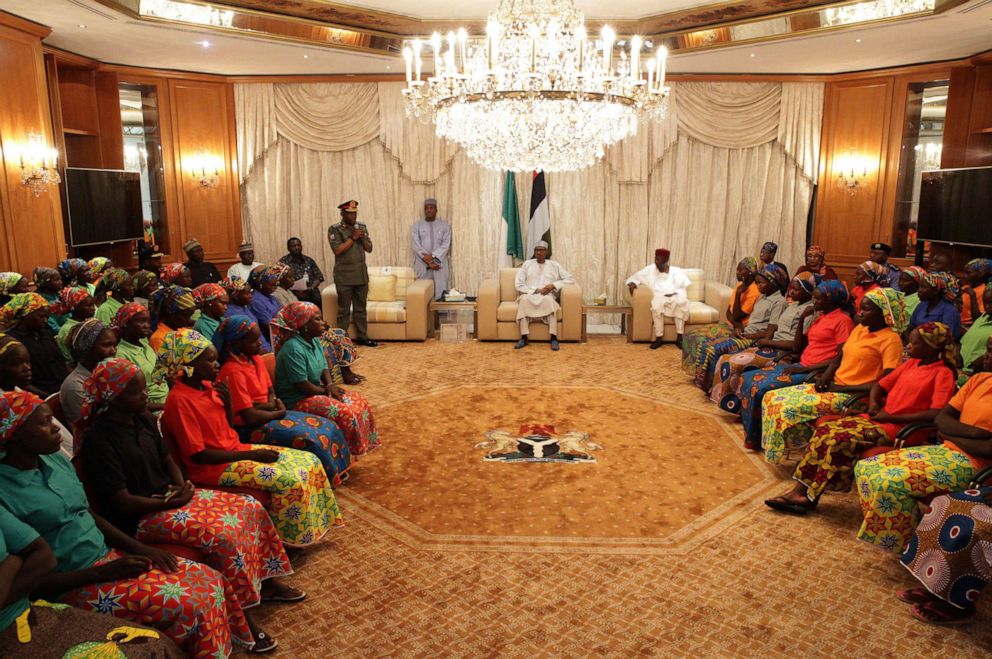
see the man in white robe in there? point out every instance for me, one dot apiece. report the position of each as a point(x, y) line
point(670, 288)
point(539, 282)
point(431, 243)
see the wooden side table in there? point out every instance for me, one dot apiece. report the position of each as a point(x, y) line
point(440, 305)
point(625, 311)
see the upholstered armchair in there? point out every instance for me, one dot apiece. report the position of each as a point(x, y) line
point(708, 300)
point(497, 311)
point(397, 305)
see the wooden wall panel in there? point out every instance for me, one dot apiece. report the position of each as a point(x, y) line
point(32, 226)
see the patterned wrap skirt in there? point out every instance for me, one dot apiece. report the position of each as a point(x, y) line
point(891, 484)
point(788, 414)
point(352, 415)
point(339, 352)
point(302, 507)
point(692, 342)
point(951, 551)
point(194, 606)
point(828, 463)
point(754, 385)
point(235, 533)
point(311, 433)
point(730, 368)
point(710, 350)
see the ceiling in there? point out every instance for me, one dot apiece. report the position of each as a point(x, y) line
point(444, 9)
point(115, 37)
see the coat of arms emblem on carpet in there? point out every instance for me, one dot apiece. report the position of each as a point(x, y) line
point(538, 443)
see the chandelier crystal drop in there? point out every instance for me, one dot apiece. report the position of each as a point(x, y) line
point(534, 93)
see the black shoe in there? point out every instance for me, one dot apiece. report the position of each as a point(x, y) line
point(368, 343)
point(522, 343)
point(554, 344)
point(656, 343)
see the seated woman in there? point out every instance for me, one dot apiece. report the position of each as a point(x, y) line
point(341, 353)
point(12, 283)
point(191, 603)
point(75, 272)
point(212, 300)
point(909, 283)
point(283, 291)
point(116, 283)
point(973, 342)
point(25, 318)
point(786, 339)
point(239, 293)
point(42, 629)
point(133, 325)
point(305, 384)
point(75, 305)
point(171, 308)
point(815, 265)
point(48, 284)
point(891, 484)
point(176, 274)
point(772, 282)
point(742, 301)
point(145, 284)
point(99, 266)
point(977, 274)
point(915, 392)
point(90, 342)
point(872, 350)
point(264, 305)
point(936, 306)
point(139, 489)
point(302, 505)
point(260, 417)
point(868, 276)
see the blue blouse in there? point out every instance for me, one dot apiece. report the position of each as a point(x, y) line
point(942, 312)
point(264, 308)
point(238, 310)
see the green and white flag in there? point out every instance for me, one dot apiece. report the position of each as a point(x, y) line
point(510, 230)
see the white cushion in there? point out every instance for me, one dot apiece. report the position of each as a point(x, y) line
point(700, 313)
point(697, 290)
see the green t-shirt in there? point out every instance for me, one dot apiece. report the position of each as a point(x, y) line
point(105, 312)
point(15, 535)
point(974, 340)
point(50, 499)
point(70, 322)
point(298, 360)
point(912, 301)
point(206, 326)
point(143, 356)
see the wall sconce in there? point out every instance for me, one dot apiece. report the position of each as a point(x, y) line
point(852, 171)
point(205, 168)
point(39, 164)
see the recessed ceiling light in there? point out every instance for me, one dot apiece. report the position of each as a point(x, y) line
point(205, 43)
point(306, 57)
point(857, 40)
point(752, 54)
point(81, 26)
point(387, 67)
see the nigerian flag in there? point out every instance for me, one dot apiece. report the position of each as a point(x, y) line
point(510, 231)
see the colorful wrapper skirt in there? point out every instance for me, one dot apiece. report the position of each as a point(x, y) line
point(339, 351)
point(730, 368)
point(754, 385)
point(787, 416)
point(194, 606)
point(692, 342)
point(302, 505)
point(891, 484)
point(828, 463)
point(311, 433)
point(352, 415)
point(233, 530)
point(48, 629)
point(951, 551)
point(710, 350)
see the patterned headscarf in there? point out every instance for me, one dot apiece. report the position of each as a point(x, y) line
point(43, 274)
point(108, 380)
point(125, 314)
point(69, 299)
point(981, 266)
point(233, 285)
point(947, 284)
point(834, 291)
point(816, 250)
point(771, 247)
point(934, 335)
point(289, 320)
point(893, 307)
point(777, 275)
point(8, 343)
point(99, 265)
point(113, 279)
point(208, 293)
point(232, 329)
point(142, 278)
point(69, 269)
point(750, 264)
point(169, 300)
point(178, 352)
point(19, 307)
point(807, 281)
point(876, 272)
point(8, 280)
point(272, 273)
point(83, 336)
point(916, 273)
point(15, 408)
point(172, 271)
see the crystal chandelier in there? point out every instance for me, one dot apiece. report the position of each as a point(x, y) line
point(535, 93)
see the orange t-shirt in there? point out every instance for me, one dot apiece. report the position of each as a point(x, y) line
point(158, 336)
point(914, 387)
point(825, 336)
point(966, 304)
point(974, 402)
point(748, 298)
point(248, 382)
point(867, 354)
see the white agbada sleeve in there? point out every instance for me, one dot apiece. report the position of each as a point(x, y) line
point(564, 277)
point(643, 276)
point(522, 281)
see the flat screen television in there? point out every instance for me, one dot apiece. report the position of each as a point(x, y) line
point(104, 205)
point(956, 206)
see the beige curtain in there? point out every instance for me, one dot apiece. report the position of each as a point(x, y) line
point(729, 166)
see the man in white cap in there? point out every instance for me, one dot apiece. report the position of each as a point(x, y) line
point(246, 252)
point(539, 282)
point(431, 243)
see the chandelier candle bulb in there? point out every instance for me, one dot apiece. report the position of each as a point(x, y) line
point(635, 58)
point(417, 62)
point(608, 37)
point(650, 65)
point(436, 45)
point(408, 58)
point(580, 39)
point(662, 55)
point(462, 38)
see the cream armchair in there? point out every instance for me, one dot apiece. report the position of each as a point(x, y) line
point(397, 307)
point(497, 311)
point(708, 300)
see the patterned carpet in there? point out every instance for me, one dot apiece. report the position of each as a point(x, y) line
point(662, 547)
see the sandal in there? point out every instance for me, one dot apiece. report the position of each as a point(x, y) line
point(263, 643)
point(285, 594)
point(937, 612)
point(915, 596)
point(782, 505)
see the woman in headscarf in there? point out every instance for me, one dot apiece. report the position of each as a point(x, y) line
point(341, 353)
point(12, 283)
point(239, 294)
point(259, 416)
point(786, 339)
point(868, 276)
point(144, 283)
point(171, 308)
point(133, 326)
point(305, 383)
point(116, 284)
point(90, 342)
point(872, 351)
point(98, 566)
point(176, 274)
point(264, 305)
point(815, 264)
point(75, 305)
point(212, 300)
point(283, 291)
point(935, 306)
point(75, 272)
point(742, 301)
point(891, 485)
point(99, 266)
point(139, 489)
point(772, 282)
point(915, 392)
point(909, 283)
point(25, 318)
point(48, 284)
point(302, 505)
point(973, 342)
point(977, 274)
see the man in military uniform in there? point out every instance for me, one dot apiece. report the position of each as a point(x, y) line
point(880, 253)
point(350, 241)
